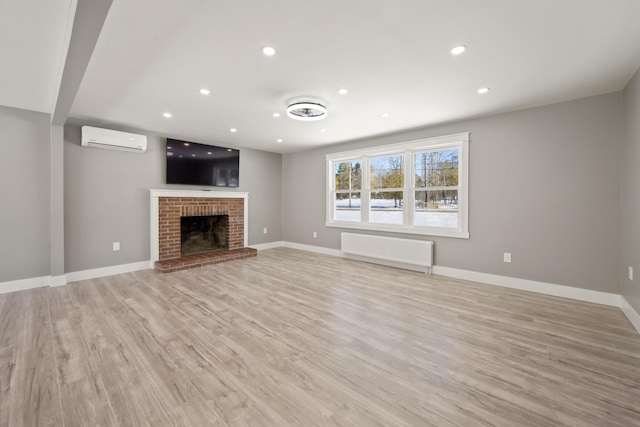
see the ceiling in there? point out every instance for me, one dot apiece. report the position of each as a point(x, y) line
point(154, 56)
point(34, 35)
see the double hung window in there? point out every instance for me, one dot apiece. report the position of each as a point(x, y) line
point(419, 187)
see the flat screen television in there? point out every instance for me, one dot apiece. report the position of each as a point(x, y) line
point(190, 163)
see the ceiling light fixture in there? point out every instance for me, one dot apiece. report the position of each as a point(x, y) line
point(279, 140)
point(458, 50)
point(233, 130)
point(167, 115)
point(385, 115)
point(268, 50)
point(276, 115)
point(323, 130)
point(307, 111)
point(483, 90)
point(205, 91)
point(343, 91)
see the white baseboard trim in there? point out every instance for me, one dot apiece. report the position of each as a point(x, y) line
point(108, 271)
point(316, 249)
point(563, 291)
point(58, 281)
point(265, 246)
point(24, 284)
point(570, 292)
point(630, 312)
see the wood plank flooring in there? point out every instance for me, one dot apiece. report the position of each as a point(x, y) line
point(294, 338)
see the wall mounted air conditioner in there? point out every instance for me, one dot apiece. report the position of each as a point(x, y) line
point(113, 139)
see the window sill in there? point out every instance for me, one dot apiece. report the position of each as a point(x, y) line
point(404, 229)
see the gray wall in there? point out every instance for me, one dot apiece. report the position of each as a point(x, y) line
point(630, 241)
point(545, 186)
point(107, 198)
point(24, 186)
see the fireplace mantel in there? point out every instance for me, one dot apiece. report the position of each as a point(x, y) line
point(205, 194)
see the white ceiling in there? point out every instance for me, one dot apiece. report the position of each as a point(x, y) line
point(34, 36)
point(153, 56)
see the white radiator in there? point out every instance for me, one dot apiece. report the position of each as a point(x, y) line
point(416, 252)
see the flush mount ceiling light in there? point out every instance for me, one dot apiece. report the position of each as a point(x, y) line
point(204, 91)
point(307, 111)
point(483, 90)
point(268, 50)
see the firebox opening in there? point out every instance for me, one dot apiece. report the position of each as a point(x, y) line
point(200, 234)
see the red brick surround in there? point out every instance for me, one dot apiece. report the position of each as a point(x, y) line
point(172, 208)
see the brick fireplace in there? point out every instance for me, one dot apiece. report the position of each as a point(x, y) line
point(167, 209)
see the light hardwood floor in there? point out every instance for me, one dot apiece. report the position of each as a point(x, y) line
point(294, 338)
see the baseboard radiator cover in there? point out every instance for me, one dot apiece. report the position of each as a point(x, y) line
point(407, 251)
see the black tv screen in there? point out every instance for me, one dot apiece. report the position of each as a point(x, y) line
point(199, 164)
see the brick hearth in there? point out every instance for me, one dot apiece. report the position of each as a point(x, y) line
point(170, 209)
point(199, 260)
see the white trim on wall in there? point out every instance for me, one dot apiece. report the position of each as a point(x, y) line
point(24, 284)
point(544, 288)
point(108, 271)
point(265, 246)
point(58, 280)
point(562, 291)
point(630, 312)
point(552, 289)
point(209, 194)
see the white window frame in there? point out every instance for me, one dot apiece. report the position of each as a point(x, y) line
point(408, 149)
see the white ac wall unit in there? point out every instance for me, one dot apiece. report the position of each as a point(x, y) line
point(113, 139)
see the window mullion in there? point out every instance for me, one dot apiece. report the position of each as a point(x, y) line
point(365, 195)
point(407, 211)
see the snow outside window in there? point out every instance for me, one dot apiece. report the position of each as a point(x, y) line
point(418, 187)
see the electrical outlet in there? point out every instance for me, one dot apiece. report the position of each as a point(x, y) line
point(264, 230)
point(315, 235)
point(630, 273)
point(507, 257)
point(116, 246)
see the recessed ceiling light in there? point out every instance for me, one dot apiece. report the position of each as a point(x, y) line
point(209, 152)
point(193, 155)
point(483, 90)
point(268, 50)
point(276, 115)
point(385, 115)
point(229, 149)
point(343, 91)
point(205, 91)
point(323, 130)
point(186, 144)
point(279, 140)
point(167, 115)
point(458, 50)
point(233, 130)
